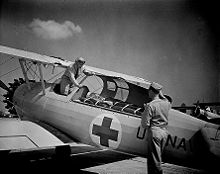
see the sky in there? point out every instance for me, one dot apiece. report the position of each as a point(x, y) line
point(172, 42)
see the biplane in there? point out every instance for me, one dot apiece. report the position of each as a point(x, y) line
point(206, 111)
point(104, 117)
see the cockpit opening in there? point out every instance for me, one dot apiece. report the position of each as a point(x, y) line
point(112, 93)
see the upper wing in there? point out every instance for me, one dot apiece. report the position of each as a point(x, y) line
point(133, 79)
point(34, 57)
point(56, 61)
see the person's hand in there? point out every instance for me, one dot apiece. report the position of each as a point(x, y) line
point(89, 73)
point(92, 73)
point(80, 86)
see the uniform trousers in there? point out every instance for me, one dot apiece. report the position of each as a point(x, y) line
point(156, 140)
point(65, 84)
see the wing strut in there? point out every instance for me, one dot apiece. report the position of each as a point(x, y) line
point(25, 73)
point(41, 78)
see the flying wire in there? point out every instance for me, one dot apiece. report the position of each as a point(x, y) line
point(9, 59)
point(31, 70)
point(10, 71)
point(55, 76)
point(28, 66)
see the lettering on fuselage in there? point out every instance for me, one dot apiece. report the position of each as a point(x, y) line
point(173, 141)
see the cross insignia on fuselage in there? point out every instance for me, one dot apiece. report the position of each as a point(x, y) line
point(105, 132)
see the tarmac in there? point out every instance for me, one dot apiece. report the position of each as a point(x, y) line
point(135, 165)
point(138, 166)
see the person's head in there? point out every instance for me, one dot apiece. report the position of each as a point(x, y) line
point(155, 90)
point(80, 61)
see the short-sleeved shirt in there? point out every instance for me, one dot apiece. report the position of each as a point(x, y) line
point(157, 113)
point(75, 70)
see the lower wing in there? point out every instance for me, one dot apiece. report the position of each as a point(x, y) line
point(25, 142)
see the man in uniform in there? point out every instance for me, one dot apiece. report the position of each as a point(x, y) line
point(68, 79)
point(155, 119)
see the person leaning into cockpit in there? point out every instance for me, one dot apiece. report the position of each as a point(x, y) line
point(68, 79)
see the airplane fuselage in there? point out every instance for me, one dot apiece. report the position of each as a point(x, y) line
point(103, 127)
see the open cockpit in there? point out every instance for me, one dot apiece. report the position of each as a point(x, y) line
point(111, 93)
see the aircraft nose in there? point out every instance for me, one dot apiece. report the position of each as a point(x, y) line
point(16, 97)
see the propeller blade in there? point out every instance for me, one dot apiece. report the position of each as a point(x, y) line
point(3, 86)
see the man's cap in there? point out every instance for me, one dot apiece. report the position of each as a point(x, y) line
point(80, 59)
point(156, 86)
point(168, 98)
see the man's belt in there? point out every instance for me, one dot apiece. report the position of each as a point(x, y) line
point(66, 77)
point(159, 126)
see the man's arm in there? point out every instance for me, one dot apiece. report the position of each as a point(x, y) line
point(73, 80)
point(145, 117)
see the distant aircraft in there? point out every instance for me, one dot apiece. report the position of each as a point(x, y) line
point(105, 114)
point(202, 111)
point(204, 104)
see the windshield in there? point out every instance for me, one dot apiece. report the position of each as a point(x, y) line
point(115, 88)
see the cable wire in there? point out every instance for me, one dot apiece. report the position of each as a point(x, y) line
point(9, 59)
point(55, 76)
point(10, 71)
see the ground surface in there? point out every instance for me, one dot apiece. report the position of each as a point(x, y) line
point(138, 166)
